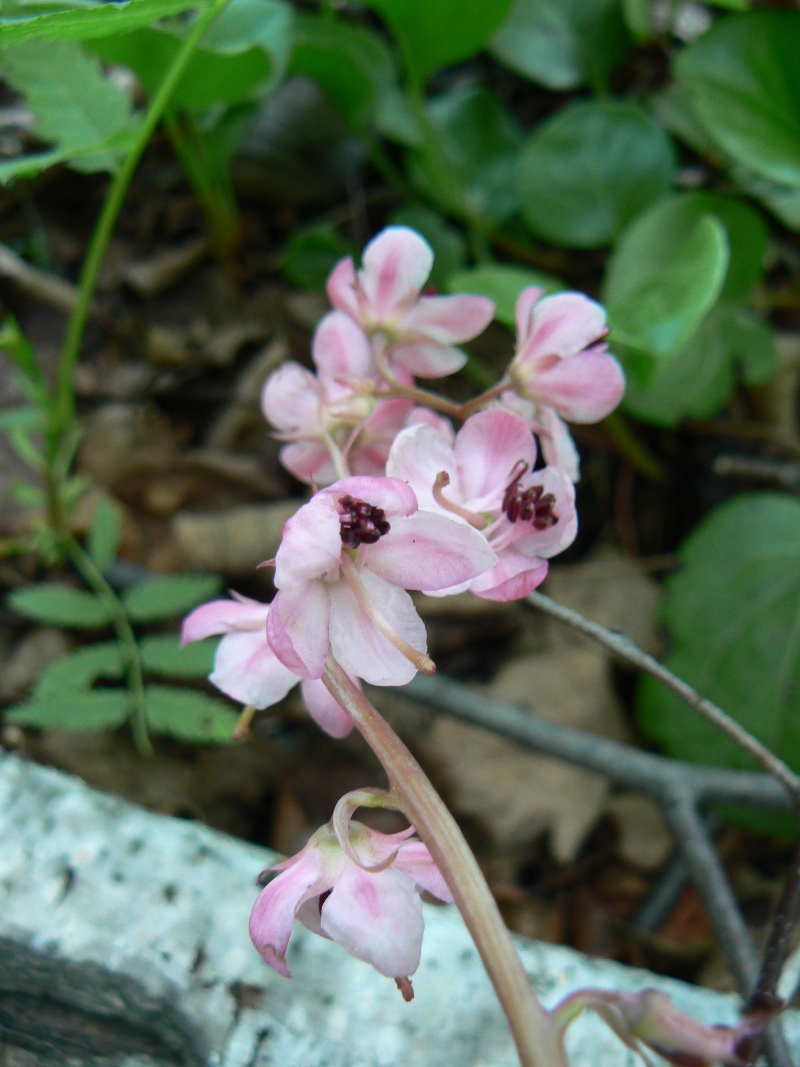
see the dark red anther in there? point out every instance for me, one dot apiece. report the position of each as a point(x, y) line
point(531, 505)
point(361, 523)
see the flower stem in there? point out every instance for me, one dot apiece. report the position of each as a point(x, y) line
point(535, 1032)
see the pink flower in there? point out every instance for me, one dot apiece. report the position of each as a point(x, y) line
point(245, 667)
point(345, 562)
point(375, 915)
point(562, 369)
point(385, 297)
point(526, 516)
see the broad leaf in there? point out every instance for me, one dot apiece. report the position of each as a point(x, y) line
point(167, 598)
point(102, 709)
point(743, 80)
point(80, 669)
point(61, 605)
point(89, 21)
point(433, 35)
point(104, 533)
point(73, 103)
point(162, 655)
point(589, 171)
point(189, 716)
point(562, 44)
point(664, 276)
point(503, 285)
point(732, 612)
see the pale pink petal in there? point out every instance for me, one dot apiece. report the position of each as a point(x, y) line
point(417, 457)
point(428, 359)
point(396, 265)
point(309, 461)
point(514, 577)
point(246, 669)
point(414, 860)
point(582, 388)
point(562, 325)
point(425, 416)
point(429, 551)
point(341, 288)
point(526, 301)
point(291, 399)
point(298, 627)
point(448, 319)
point(371, 449)
point(273, 914)
point(488, 448)
point(356, 643)
point(341, 349)
point(376, 918)
point(390, 494)
point(311, 545)
point(558, 448)
point(324, 710)
point(222, 616)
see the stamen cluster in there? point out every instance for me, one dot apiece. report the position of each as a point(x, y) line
point(531, 505)
point(361, 523)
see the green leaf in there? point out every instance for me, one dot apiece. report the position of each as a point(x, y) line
point(22, 443)
point(25, 418)
point(664, 276)
point(448, 244)
point(503, 285)
point(433, 35)
point(589, 171)
point(747, 239)
point(562, 44)
point(730, 343)
point(743, 80)
point(162, 654)
point(166, 598)
point(189, 716)
point(73, 104)
point(243, 55)
point(732, 612)
point(92, 20)
point(311, 255)
point(61, 605)
point(104, 533)
point(476, 156)
point(80, 669)
point(102, 709)
point(28, 494)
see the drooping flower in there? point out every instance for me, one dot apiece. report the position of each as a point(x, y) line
point(374, 914)
point(246, 669)
point(345, 562)
point(526, 515)
point(385, 298)
point(562, 369)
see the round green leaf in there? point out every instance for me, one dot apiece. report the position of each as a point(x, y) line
point(503, 285)
point(61, 605)
point(188, 715)
point(590, 170)
point(666, 273)
point(562, 44)
point(743, 78)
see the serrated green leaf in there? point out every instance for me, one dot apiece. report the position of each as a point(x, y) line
point(502, 284)
point(589, 171)
point(104, 533)
point(562, 44)
point(74, 105)
point(115, 146)
point(743, 80)
point(189, 716)
point(732, 612)
point(88, 21)
point(162, 654)
point(664, 276)
point(167, 598)
point(80, 670)
point(61, 605)
point(103, 709)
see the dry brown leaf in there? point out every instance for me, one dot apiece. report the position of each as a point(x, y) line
point(644, 838)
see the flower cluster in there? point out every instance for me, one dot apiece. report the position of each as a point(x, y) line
point(407, 502)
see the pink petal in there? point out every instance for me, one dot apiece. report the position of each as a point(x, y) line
point(273, 913)
point(415, 860)
point(448, 319)
point(582, 388)
point(396, 265)
point(488, 447)
point(222, 616)
point(341, 288)
point(369, 453)
point(563, 325)
point(514, 577)
point(376, 918)
point(361, 648)
point(341, 349)
point(298, 628)
point(311, 545)
point(390, 494)
point(309, 461)
point(417, 456)
point(558, 448)
point(526, 301)
point(246, 669)
point(324, 710)
point(291, 399)
point(429, 551)
point(428, 359)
